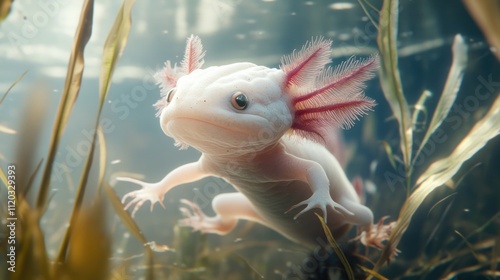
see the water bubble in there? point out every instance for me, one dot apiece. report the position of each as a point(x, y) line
point(341, 6)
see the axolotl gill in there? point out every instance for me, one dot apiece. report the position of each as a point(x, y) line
point(270, 133)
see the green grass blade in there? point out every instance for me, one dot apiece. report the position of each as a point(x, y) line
point(12, 86)
point(362, 3)
point(102, 158)
point(3, 178)
point(76, 65)
point(32, 255)
point(5, 9)
point(439, 172)
point(253, 271)
point(485, 129)
point(78, 202)
point(487, 16)
point(420, 108)
point(450, 90)
point(390, 78)
point(124, 215)
point(131, 225)
point(90, 246)
point(373, 273)
point(486, 224)
point(390, 154)
point(114, 46)
point(69, 95)
point(32, 178)
point(469, 246)
point(336, 248)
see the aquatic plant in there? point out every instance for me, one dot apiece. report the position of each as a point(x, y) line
point(84, 251)
point(444, 171)
point(5, 8)
point(487, 16)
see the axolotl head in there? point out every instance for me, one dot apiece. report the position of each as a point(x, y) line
point(233, 108)
point(241, 107)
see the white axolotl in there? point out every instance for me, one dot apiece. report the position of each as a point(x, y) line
point(270, 133)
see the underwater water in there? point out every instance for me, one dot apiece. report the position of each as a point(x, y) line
point(454, 233)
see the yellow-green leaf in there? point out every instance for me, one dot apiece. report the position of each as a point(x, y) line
point(33, 253)
point(450, 90)
point(390, 78)
point(3, 178)
point(12, 85)
point(102, 157)
point(439, 172)
point(82, 186)
point(69, 94)
point(390, 155)
point(131, 226)
point(76, 63)
point(487, 15)
point(485, 129)
point(419, 107)
point(5, 8)
point(124, 215)
point(373, 273)
point(336, 248)
point(114, 46)
point(89, 250)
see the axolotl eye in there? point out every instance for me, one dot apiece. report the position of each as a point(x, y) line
point(170, 94)
point(239, 100)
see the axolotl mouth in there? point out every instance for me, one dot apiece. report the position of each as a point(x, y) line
point(190, 125)
point(219, 135)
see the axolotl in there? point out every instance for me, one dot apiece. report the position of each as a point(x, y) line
point(270, 133)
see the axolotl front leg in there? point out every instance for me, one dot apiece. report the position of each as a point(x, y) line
point(229, 207)
point(284, 167)
point(154, 192)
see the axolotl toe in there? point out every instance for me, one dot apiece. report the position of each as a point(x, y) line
point(269, 133)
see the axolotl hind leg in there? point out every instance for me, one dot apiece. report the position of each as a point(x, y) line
point(228, 207)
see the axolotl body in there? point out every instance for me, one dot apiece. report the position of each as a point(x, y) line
point(271, 134)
